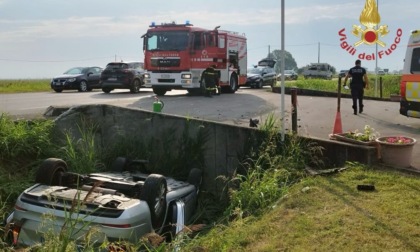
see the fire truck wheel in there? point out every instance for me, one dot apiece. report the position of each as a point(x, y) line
point(159, 91)
point(233, 83)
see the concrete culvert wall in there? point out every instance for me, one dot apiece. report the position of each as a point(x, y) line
point(223, 148)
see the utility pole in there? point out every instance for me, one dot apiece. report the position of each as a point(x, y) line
point(319, 51)
point(269, 52)
point(282, 105)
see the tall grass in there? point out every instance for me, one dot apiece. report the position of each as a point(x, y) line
point(80, 150)
point(270, 170)
point(22, 144)
point(24, 139)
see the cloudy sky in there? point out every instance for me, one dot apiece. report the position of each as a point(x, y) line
point(43, 38)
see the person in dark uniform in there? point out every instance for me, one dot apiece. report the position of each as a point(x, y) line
point(359, 81)
point(217, 80)
point(211, 80)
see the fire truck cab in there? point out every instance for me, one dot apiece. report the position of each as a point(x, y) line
point(177, 54)
point(410, 79)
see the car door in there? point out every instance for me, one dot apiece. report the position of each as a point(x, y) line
point(93, 76)
point(266, 76)
point(269, 76)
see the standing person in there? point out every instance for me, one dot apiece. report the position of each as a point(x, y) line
point(210, 80)
point(359, 81)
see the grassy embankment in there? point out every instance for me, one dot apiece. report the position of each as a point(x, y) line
point(25, 85)
point(390, 85)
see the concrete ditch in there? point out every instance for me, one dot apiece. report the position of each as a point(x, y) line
point(222, 151)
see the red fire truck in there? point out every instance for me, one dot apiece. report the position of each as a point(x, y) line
point(177, 54)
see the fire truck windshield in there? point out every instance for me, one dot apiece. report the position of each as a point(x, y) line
point(167, 40)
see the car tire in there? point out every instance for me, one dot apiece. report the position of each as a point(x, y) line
point(260, 84)
point(195, 177)
point(154, 193)
point(106, 90)
point(83, 86)
point(50, 172)
point(136, 86)
point(159, 91)
point(58, 90)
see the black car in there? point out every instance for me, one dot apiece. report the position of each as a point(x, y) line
point(261, 75)
point(77, 78)
point(122, 75)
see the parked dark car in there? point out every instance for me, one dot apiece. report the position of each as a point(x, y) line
point(122, 75)
point(77, 78)
point(288, 75)
point(261, 75)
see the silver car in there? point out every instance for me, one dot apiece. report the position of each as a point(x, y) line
point(123, 204)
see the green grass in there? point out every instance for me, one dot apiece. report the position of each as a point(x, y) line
point(390, 85)
point(25, 85)
point(328, 213)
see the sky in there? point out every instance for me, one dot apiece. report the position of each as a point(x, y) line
point(44, 38)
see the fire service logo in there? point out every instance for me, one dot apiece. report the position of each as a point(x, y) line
point(368, 35)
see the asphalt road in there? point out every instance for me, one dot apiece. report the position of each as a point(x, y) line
point(316, 115)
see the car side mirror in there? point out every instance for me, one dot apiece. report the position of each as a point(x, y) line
point(90, 73)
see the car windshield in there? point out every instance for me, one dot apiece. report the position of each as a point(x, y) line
point(167, 41)
point(254, 70)
point(116, 66)
point(75, 70)
point(288, 71)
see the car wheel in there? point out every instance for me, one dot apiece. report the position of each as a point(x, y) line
point(260, 84)
point(136, 86)
point(58, 90)
point(195, 178)
point(83, 87)
point(154, 193)
point(50, 171)
point(106, 90)
point(159, 91)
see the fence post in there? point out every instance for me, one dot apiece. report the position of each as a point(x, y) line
point(294, 109)
point(380, 87)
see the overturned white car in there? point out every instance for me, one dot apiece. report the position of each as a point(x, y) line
point(123, 204)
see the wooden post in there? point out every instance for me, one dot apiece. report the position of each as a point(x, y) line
point(294, 109)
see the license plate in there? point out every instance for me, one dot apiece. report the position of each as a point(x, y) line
point(165, 76)
point(112, 79)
